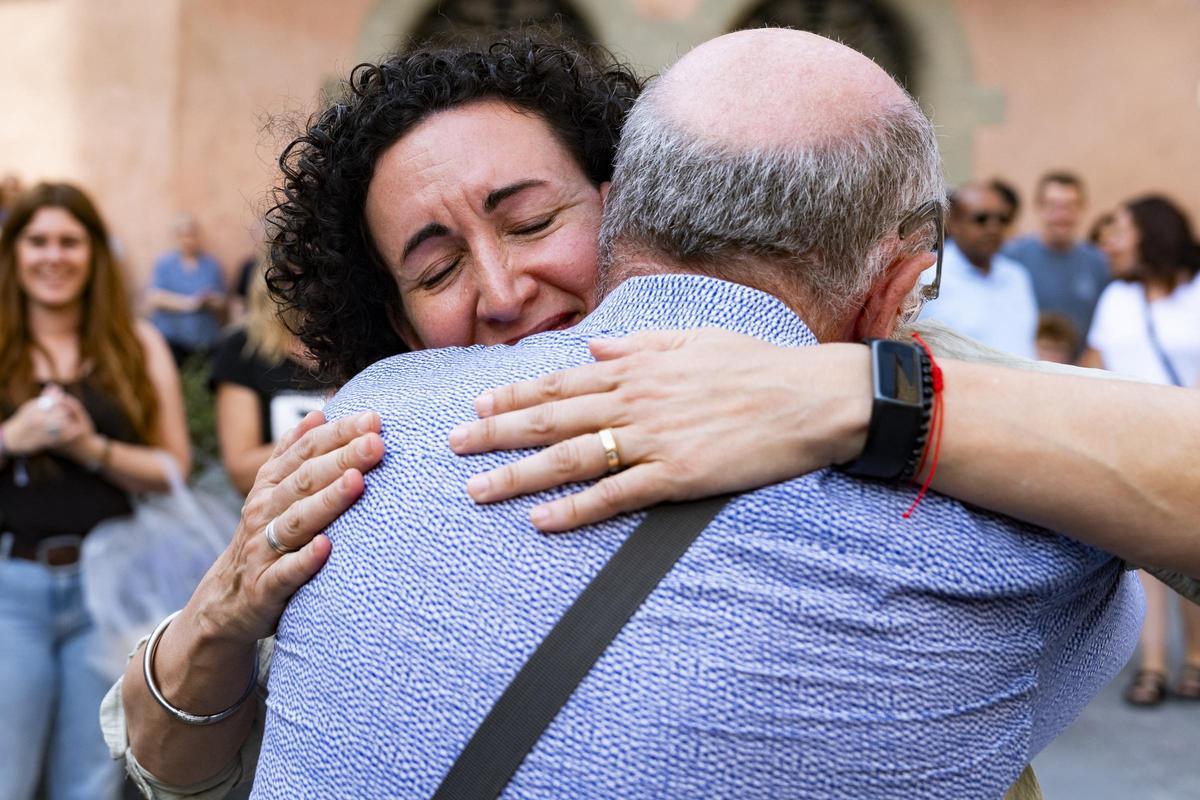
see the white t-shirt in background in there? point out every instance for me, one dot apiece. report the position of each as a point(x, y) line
point(1120, 336)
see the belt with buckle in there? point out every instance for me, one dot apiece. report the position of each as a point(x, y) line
point(53, 551)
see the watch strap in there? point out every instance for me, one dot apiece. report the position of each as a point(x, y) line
point(902, 385)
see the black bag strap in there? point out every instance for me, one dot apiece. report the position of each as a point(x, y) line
point(566, 655)
point(1163, 358)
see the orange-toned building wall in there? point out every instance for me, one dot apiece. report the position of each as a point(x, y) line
point(1110, 89)
point(162, 106)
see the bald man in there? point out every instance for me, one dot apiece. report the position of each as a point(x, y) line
point(810, 643)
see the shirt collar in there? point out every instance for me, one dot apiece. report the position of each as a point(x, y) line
point(677, 301)
point(958, 262)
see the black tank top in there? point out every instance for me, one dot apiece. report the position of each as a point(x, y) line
point(61, 497)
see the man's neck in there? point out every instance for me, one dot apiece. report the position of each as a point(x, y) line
point(1057, 245)
point(659, 298)
point(764, 278)
point(982, 265)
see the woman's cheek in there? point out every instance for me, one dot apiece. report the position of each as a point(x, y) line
point(445, 319)
point(574, 261)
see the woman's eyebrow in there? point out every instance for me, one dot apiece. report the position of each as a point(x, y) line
point(498, 196)
point(428, 232)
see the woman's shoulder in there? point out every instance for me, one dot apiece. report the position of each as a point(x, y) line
point(1120, 293)
point(152, 342)
point(160, 364)
point(1189, 292)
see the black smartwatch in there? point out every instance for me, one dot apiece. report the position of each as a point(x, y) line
point(900, 411)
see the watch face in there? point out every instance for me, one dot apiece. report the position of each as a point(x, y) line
point(899, 375)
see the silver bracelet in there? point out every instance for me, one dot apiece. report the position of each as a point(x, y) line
point(178, 713)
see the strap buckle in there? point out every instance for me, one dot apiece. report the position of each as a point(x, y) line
point(59, 551)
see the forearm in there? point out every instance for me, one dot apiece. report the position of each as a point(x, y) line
point(1107, 462)
point(199, 674)
point(243, 466)
point(162, 300)
point(135, 468)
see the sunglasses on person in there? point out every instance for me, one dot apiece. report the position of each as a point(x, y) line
point(926, 213)
point(982, 218)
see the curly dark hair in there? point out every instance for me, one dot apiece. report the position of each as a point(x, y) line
point(326, 274)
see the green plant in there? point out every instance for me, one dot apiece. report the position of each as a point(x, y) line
point(201, 411)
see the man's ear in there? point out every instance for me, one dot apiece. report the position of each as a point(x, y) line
point(885, 301)
point(604, 192)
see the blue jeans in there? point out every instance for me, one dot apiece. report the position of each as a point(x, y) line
point(49, 693)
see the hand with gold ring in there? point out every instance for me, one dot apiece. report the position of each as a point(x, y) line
point(686, 414)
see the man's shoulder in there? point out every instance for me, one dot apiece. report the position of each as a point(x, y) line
point(167, 260)
point(421, 378)
point(209, 262)
point(1023, 247)
point(1088, 253)
point(1014, 271)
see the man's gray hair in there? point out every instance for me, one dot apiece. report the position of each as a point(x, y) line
point(826, 213)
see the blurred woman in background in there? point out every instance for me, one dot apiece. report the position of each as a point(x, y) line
point(1147, 326)
point(264, 386)
point(88, 399)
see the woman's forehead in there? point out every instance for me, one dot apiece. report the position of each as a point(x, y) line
point(474, 148)
point(54, 219)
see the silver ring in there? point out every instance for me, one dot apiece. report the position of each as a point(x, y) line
point(274, 543)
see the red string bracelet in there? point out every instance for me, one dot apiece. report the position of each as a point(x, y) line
point(934, 442)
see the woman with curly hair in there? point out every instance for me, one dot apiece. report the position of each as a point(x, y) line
point(89, 400)
point(510, 150)
point(451, 199)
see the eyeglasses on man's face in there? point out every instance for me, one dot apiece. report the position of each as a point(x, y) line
point(926, 213)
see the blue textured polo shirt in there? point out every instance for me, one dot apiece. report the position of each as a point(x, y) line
point(811, 643)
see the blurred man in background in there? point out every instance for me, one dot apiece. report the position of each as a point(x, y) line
point(187, 294)
point(984, 294)
point(1068, 274)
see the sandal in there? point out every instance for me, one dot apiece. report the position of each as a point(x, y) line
point(1148, 688)
point(1188, 685)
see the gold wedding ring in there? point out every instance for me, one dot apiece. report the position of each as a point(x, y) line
point(609, 443)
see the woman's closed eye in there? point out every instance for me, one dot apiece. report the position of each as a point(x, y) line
point(533, 226)
point(439, 273)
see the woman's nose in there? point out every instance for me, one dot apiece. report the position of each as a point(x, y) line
point(504, 288)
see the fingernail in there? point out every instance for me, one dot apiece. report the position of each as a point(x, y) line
point(364, 423)
point(539, 515)
point(484, 404)
point(478, 486)
point(364, 447)
point(344, 482)
point(458, 436)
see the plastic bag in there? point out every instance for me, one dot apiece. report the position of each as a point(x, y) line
point(138, 569)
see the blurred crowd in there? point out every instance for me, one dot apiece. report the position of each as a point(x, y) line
point(1125, 298)
point(92, 394)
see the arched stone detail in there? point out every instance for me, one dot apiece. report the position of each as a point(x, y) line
point(942, 73)
point(869, 26)
point(391, 25)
